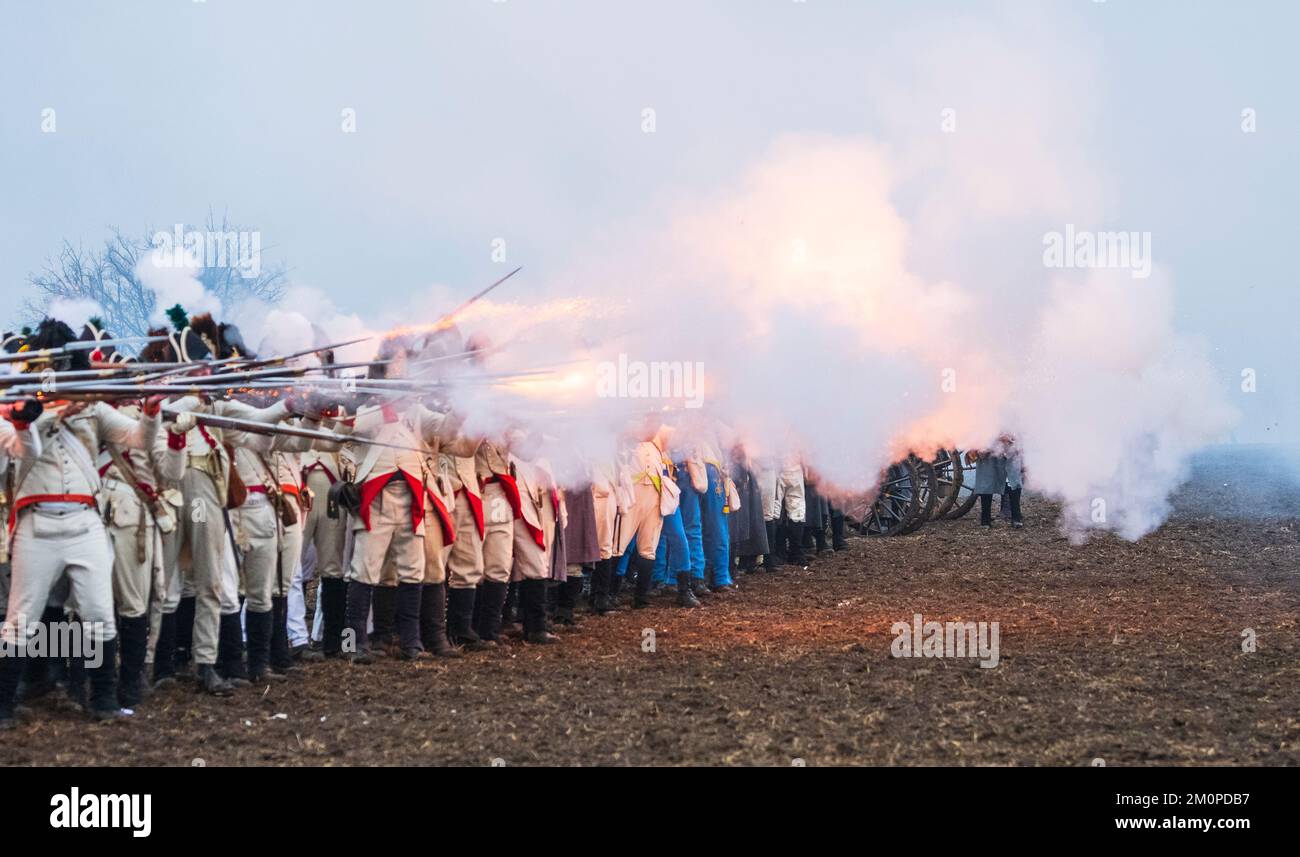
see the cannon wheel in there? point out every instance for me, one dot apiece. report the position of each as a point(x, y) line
point(926, 494)
point(948, 477)
point(896, 503)
point(966, 495)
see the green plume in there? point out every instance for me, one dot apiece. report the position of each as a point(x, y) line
point(178, 318)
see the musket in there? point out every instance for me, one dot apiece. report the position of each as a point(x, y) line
point(105, 391)
point(447, 319)
point(251, 426)
point(75, 346)
point(49, 377)
point(182, 368)
point(270, 361)
point(169, 369)
point(239, 376)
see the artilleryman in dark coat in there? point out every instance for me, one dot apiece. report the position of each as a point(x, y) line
point(748, 534)
point(817, 513)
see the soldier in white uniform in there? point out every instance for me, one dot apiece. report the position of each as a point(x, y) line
point(501, 505)
point(138, 509)
point(540, 513)
point(17, 441)
point(442, 532)
point(58, 532)
point(322, 469)
point(390, 523)
point(204, 484)
point(782, 485)
point(465, 561)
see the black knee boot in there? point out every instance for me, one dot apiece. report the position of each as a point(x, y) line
point(75, 681)
point(566, 598)
point(433, 621)
point(230, 651)
point(164, 652)
point(645, 570)
point(333, 597)
point(986, 510)
point(184, 634)
point(772, 560)
point(686, 597)
point(837, 530)
point(40, 676)
point(532, 609)
point(794, 530)
point(461, 608)
point(103, 683)
point(476, 618)
point(615, 583)
point(384, 619)
point(600, 587)
point(133, 637)
point(819, 538)
point(509, 609)
point(490, 605)
point(281, 659)
point(11, 673)
point(408, 621)
point(356, 645)
point(260, 627)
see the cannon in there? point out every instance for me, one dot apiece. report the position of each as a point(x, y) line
point(914, 491)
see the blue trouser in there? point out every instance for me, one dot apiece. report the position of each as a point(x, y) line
point(717, 536)
point(690, 508)
point(626, 558)
point(673, 556)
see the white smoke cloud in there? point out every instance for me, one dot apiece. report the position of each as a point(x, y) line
point(858, 297)
point(74, 311)
point(174, 284)
point(304, 318)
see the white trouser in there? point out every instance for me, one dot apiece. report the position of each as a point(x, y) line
point(49, 545)
point(290, 557)
point(255, 527)
point(606, 515)
point(200, 527)
point(390, 539)
point(322, 531)
point(782, 488)
point(137, 550)
point(303, 571)
point(465, 562)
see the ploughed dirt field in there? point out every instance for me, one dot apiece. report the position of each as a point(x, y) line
point(1128, 653)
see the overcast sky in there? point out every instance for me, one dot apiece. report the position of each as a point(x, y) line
point(523, 120)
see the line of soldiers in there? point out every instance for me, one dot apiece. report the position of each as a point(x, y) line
point(182, 531)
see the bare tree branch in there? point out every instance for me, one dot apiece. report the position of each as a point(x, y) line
point(109, 278)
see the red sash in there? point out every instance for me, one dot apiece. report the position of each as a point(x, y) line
point(371, 488)
point(516, 505)
point(448, 527)
point(476, 508)
point(32, 499)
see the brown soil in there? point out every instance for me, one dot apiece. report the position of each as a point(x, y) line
point(1129, 653)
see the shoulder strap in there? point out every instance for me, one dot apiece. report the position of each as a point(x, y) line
point(80, 456)
point(368, 463)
